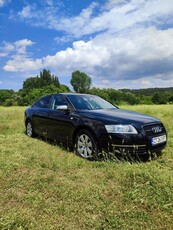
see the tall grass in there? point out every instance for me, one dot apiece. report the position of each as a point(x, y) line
point(45, 187)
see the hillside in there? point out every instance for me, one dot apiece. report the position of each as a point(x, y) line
point(149, 91)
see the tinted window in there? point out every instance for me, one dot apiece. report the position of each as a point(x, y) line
point(43, 102)
point(57, 101)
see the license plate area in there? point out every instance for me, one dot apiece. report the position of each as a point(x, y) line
point(158, 140)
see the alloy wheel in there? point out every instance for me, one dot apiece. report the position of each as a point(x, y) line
point(29, 130)
point(84, 145)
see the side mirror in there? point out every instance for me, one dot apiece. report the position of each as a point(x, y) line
point(62, 107)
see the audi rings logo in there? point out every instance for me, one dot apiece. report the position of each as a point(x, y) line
point(157, 129)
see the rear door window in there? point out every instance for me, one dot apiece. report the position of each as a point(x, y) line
point(43, 102)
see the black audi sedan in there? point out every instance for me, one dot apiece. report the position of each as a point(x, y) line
point(90, 125)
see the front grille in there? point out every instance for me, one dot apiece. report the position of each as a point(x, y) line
point(158, 128)
point(130, 150)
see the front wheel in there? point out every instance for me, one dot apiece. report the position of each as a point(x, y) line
point(29, 129)
point(85, 145)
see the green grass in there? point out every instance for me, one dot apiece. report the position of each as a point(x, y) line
point(45, 187)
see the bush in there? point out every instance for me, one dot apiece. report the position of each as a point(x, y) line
point(8, 102)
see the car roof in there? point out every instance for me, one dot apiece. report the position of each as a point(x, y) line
point(79, 94)
point(68, 94)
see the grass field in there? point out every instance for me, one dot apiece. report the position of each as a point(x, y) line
point(45, 187)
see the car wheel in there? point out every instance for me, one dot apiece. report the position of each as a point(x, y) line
point(29, 129)
point(86, 145)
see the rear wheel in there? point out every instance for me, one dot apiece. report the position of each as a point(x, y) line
point(29, 129)
point(86, 145)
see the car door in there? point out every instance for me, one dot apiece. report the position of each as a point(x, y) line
point(40, 115)
point(60, 124)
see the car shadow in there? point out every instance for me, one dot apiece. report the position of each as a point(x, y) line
point(104, 156)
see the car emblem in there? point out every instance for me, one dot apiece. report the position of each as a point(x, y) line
point(157, 129)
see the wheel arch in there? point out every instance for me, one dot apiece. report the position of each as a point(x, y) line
point(27, 119)
point(83, 127)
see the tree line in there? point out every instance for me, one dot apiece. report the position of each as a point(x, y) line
point(46, 83)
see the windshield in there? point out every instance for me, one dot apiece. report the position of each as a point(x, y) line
point(89, 102)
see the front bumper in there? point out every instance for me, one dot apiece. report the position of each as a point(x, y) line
point(130, 145)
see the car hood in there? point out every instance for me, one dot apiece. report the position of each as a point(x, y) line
point(119, 116)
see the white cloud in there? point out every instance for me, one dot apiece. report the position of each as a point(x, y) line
point(26, 12)
point(114, 17)
point(2, 2)
point(126, 46)
point(22, 45)
point(83, 55)
point(140, 54)
point(63, 39)
point(22, 64)
point(17, 47)
point(3, 54)
point(146, 84)
point(19, 60)
point(143, 52)
point(6, 48)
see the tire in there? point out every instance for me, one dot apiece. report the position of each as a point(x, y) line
point(86, 145)
point(29, 129)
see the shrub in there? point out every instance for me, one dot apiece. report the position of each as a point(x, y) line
point(8, 102)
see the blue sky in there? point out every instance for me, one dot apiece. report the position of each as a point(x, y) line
point(118, 43)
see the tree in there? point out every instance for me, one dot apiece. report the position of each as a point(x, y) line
point(8, 102)
point(100, 92)
point(80, 81)
point(171, 99)
point(131, 99)
point(41, 81)
point(160, 98)
point(36, 93)
point(36, 87)
point(5, 94)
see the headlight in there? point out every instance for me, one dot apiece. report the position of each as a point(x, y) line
point(121, 129)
